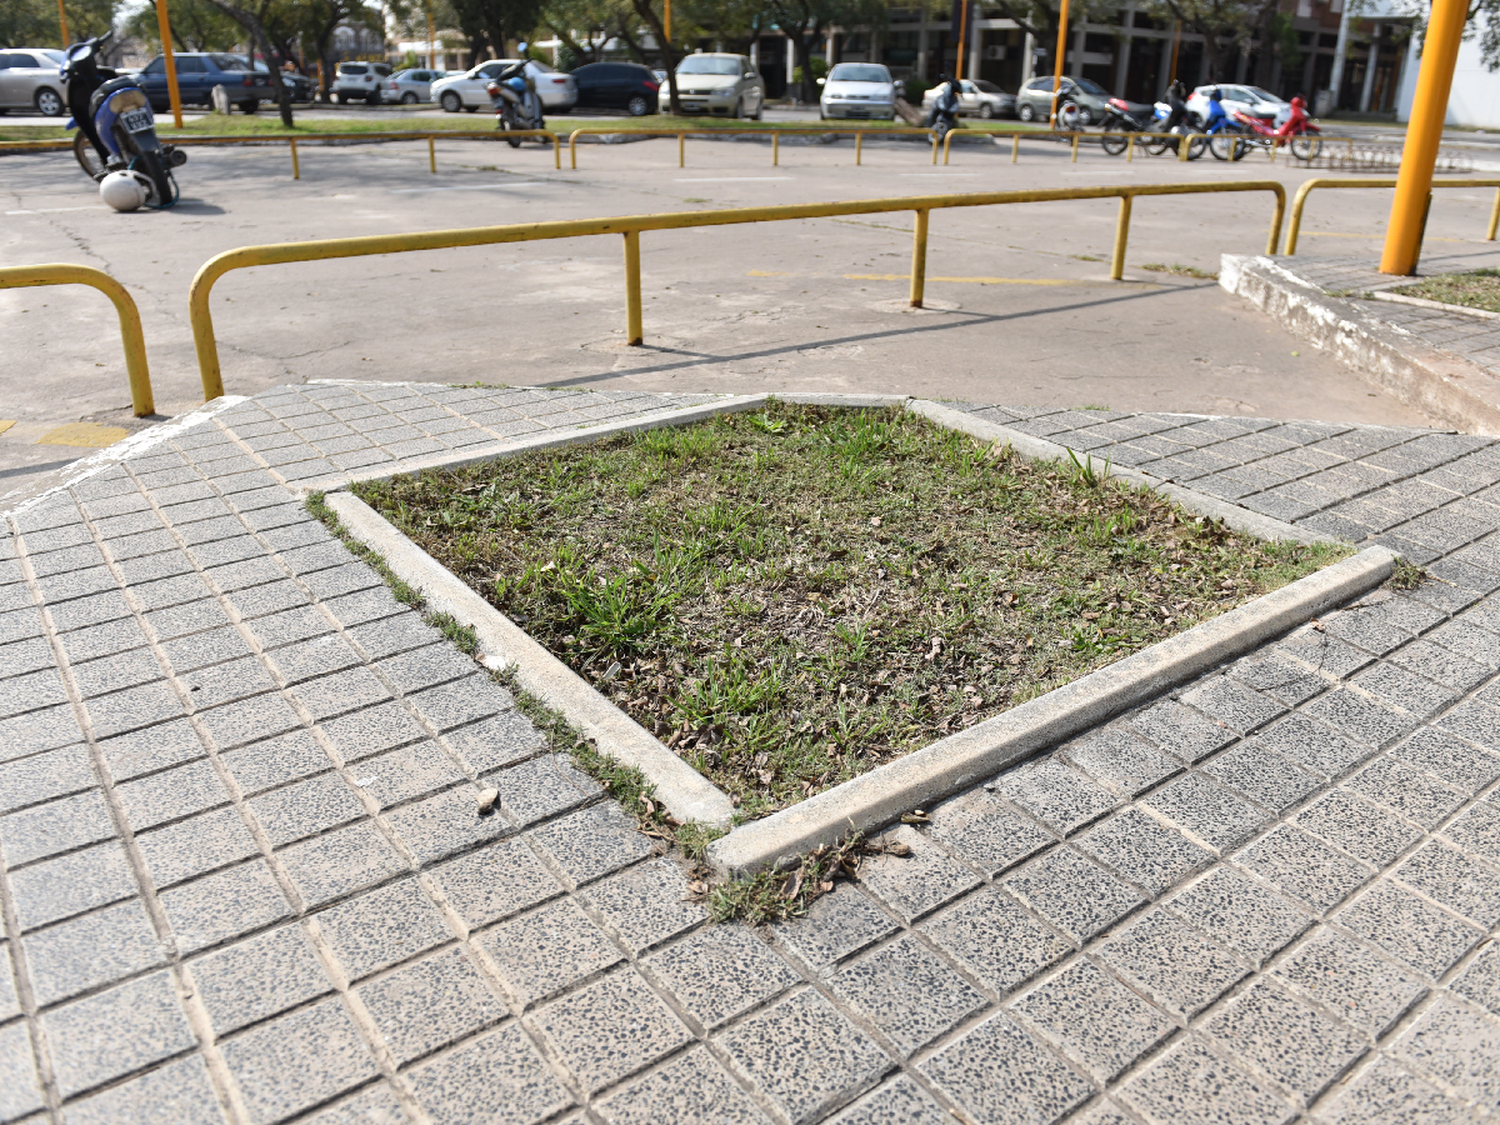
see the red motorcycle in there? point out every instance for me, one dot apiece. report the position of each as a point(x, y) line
point(1297, 132)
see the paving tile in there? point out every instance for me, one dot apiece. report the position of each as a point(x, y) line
point(1180, 731)
point(541, 953)
point(1074, 894)
point(1391, 685)
point(461, 702)
point(688, 1089)
point(719, 972)
point(984, 832)
point(372, 730)
point(115, 1032)
point(431, 1003)
point(305, 808)
point(55, 827)
point(1240, 913)
point(135, 707)
point(448, 822)
point(1358, 827)
point(298, 1061)
point(339, 693)
point(172, 794)
point(1123, 762)
point(249, 720)
point(610, 1029)
point(1449, 759)
point(593, 842)
point(1455, 1045)
point(1454, 880)
point(1303, 868)
point(1409, 793)
point(223, 905)
point(804, 1055)
point(20, 1088)
point(10, 1004)
point(1436, 663)
point(1285, 1039)
point(1059, 797)
point(498, 1078)
point(914, 884)
point(1360, 987)
point(1094, 1018)
point(495, 882)
point(341, 863)
point(906, 992)
point(998, 1072)
point(71, 884)
point(382, 928)
point(179, 1092)
point(1360, 718)
point(412, 771)
point(1188, 1075)
point(1411, 929)
point(1480, 981)
point(1262, 775)
point(198, 650)
point(314, 657)
point(111, 673)
point(1314, 747)
point(276, 761)
point(426, 667)
point(645, 904)
point(1324, 653)
point(1385, 1094)
point(1173, 965)
point(497, 741)
point(103, 639)
point(837, 924)
point(38, 730)
point(91, 950)
point(542, 787)
point(259, 977)
point(1145, 851)
point(1206, 811)
point(1232, 703)
point(1289, 682)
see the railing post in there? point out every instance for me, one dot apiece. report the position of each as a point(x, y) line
point(1182, 147)
point(947, 143)
point(1075, 148)
point(1015, 147)
point(1122, 236)
point(681, 150)
point(934, 149)
point(776, 148)
point(919, 256)
point(432, 156)
point(296, 170)
point(633, 331)
point(1494, 218)
point(1130, 148)
point(859, 151)
point(556, 153)
point(573, 150)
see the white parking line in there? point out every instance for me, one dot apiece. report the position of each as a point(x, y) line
point(464, 187)
point(949, 174)
point(50, 210)
point(728, 179)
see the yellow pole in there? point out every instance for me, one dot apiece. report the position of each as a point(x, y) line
point(1130, 148)
point(1015, 148)
point(62, 18)
point(432, 156)
point(1403, 236)
point(963, 39)
point(1176, 43)
point(1494, 218)
point(633, 331)
point(681, 146)
point(1122, 234)
point(775, 149)
point(859, 158)
point(1062, 54)
point(296, 168)
point(164, 27)
point(667, 23)
point(919, 258)
point(1075, 148)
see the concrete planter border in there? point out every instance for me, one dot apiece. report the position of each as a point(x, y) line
point(945, 767)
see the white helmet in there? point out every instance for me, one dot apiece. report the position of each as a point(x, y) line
point(125, 190)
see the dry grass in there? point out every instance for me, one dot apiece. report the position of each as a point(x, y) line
point(1479, 289)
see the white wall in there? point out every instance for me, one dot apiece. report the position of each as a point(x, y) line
point(1475, 97)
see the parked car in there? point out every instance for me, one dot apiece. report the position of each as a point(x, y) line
point(1247, 99)
point(724, 85)
point(617, 85)
point(978, 99)
point(302, 86)
point(467, 91)
point(412, 86)
point(1034, 102)
point(858, 90)
point(29, 79)
point(198, 72)
point(360, 82)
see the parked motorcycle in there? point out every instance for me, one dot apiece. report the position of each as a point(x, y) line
point(1298, 133)
point(1122, 117)
point(944, 114)
point(117, 131)
point(518, 107)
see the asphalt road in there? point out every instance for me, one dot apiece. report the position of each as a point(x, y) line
point(1022, 310)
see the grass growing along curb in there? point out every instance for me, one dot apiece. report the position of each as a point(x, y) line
point(1180, 270)
point(1406, 576)
point(764, 897)
point(1474, 289)
point(791, 597)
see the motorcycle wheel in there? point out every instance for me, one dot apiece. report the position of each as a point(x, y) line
point(1227, 146)
point(940, 130)
point(1305, 147)
point(88, 157)
point(164, 188)
point(1114, 140)
point(1196, 147)
point(507, 124)
point(1069, 119)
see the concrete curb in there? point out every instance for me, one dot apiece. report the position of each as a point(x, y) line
point(1424, 303)
point(1199, 503)
point(964, 759)
point(504, 646)
point(1439, 384)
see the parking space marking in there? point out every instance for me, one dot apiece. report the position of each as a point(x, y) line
point(1005, 280)
point(6, 423)
point(463, 187)
point(51, 210)
point(729, 179)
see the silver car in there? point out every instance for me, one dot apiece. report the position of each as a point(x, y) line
point(978, 99)
point(470, 90)
point(30, 79)
point(858, 90)
point(411, 86)
point(725, 85)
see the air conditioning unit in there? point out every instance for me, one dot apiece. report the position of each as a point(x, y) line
point(995, 53)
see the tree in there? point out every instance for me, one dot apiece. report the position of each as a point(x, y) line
point(34, 23)
point(807, 23)
point(196, 26)
point(496, 22)
point(254, 23)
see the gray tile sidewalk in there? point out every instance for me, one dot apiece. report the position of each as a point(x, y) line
point(244, 880)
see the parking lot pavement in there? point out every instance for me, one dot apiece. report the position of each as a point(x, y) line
point(244, 880)
point(1019, 304)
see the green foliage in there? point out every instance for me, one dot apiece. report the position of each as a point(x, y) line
point(34, 23)
point(196, 26)
point(819, 65)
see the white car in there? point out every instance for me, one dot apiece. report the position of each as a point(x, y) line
point(558, 91)
point(858, 90)
point(360, 82)
point(978, 99)
point(1247, 99)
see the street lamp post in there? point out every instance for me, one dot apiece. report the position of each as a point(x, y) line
point(1062, 57)
point(164, 26)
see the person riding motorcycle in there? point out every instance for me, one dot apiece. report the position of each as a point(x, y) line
point(1216, 118)
point(1177, 105)
point(1296, 120)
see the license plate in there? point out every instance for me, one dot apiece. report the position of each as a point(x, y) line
point(137, 120)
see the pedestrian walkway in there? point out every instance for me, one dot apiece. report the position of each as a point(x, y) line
point(244, 880)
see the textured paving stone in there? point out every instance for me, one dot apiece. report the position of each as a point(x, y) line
point(1059, 797)
point(71, 884)
point(1303, 868)
point(179, 1091)
point(430, 1003)
point(382, 928)
point(1145, 851)
point(91, 950)
point(999, 1072)
point(1361, 988)
point(1285, 1039)
point(645, 904)
point(1174, 965)
point(1074, 894)
point(986, 834)
point(1188, 1075)
point(224, 905)
point(115, 1032)
point(1457, 1046)
point(1411, 929)
point(906, 992)
point(495, 882)
point(258, 977)
point(541, 953)
point(836, 925)
point(691, 1088)
point(610, 1029)
point(1093, 1018)
point(1385, 1094)
point(717, 973)
point(913, 885)
point(340, 863)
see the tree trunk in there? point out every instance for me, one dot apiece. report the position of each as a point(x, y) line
point(669, 55)
point(806, 39)
point(251, 23)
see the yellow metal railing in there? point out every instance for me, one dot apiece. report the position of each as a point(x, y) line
point(1294, 224)
point(19, 277)
point(774, 134)
point(631, 227)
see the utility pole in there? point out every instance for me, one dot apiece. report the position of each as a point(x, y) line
point(1062, 56)
point(963, 39)
point(1403, 234)
point(164, 27)
point(62, 18)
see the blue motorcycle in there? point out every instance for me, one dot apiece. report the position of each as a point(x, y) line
point(518, 107)
point(116, 129)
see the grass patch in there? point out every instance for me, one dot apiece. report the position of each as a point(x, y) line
point(791, 597)
point(1406, 576)
point(1476, 289)
point(1180, 270)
